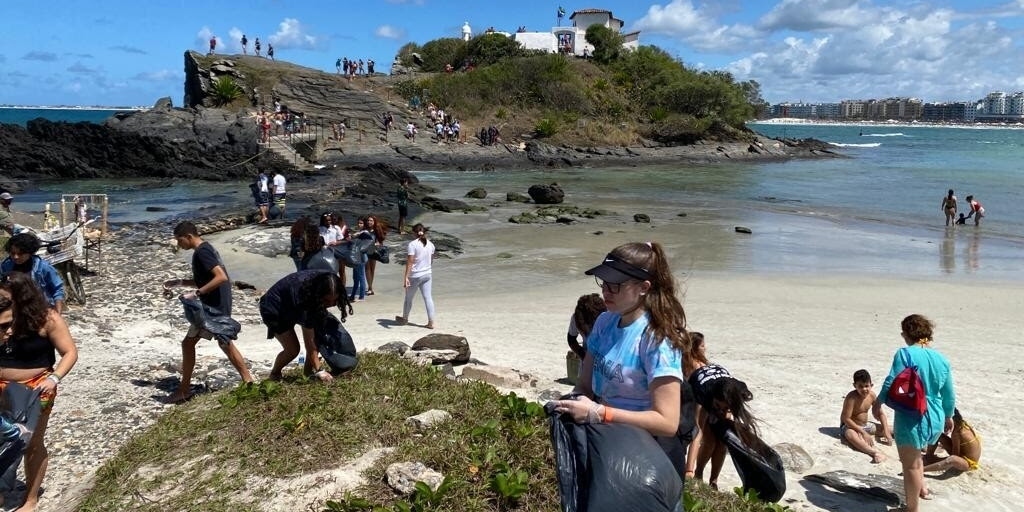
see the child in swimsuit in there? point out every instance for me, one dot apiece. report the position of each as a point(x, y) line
point(963, 445)
point(854, 427)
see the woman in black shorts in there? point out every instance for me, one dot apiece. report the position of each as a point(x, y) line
point(301, 298)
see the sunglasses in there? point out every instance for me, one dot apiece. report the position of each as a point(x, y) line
point(5, 326)
point(608, 287)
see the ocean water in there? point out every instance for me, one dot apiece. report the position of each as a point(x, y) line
point(21, 116)
point(876, 210)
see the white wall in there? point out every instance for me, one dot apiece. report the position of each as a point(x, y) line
point(536, 40)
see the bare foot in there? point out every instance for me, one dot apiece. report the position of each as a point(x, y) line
point(430, 325)
point(878, 458)
point(274, 376)
point(927, 494)
point(713, 484)
point(29, 506)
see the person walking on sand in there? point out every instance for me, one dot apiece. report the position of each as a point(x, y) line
point(379, 230)
point(212, 287)
point(633, 369)
point(912, 432)
point(419, 275)
point(949, 207)
point(245, 45)
point(33, 336)
point(977, 211)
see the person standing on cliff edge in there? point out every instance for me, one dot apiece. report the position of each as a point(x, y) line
point(213, 44)
point(213, 289)
point(245, 45)
point(256, 45)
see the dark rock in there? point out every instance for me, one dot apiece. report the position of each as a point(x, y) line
point(642, 217)
point(547, 194)
point(565, 220)
point(164, 104)
point(517, 197)
point(477, 193)
point(681, 214)
point(883, 487)
point(448, 205)
point(156, 209)
point(439, 341)
point(743, 229)
point(394, 347)
point(242, 285)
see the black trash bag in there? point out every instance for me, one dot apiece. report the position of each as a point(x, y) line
point(382, 254)
point(612, 467)
point(759, 465)
point(20, 404)
point(322, 260)
point(335, 345)
point(675, 447)
point(354, 252)
point(200, 315)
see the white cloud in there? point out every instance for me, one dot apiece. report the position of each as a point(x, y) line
point(683, 21)
point(390, 32)
point(809, 15)
point(234, 42)
point(163, 75)
point(292, 35)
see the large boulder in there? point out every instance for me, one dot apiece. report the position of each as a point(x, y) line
point(438, 341)
point(546, 194)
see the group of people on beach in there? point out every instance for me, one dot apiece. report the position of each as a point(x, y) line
point(320, 251)
point(640, 365)
point(950, 208)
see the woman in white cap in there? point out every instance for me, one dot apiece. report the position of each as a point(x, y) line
point(633, 369)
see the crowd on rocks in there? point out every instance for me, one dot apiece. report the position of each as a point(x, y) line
point(351, 68)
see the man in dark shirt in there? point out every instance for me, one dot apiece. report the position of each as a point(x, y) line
point(212, 287)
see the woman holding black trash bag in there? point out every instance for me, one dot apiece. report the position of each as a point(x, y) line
point(633, 371)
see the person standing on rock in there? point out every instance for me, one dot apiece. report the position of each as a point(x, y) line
point(32, 335)
point(270, 50)
point(256, 45)
point(402, 196)
point(279, 192)
point(369, 67)
point(337, 65)
point(245, 45)
point(213, 289)
point(213, 44)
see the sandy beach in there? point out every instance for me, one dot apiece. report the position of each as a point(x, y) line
point(796, 341)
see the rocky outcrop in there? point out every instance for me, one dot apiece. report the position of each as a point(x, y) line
point(316, 94)
point(203, 144)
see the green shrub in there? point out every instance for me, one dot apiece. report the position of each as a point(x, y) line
point(546, 127)
point(226, 91)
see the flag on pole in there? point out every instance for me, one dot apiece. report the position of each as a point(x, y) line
point(561, 12)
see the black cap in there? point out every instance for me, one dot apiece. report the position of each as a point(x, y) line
point(615, 270)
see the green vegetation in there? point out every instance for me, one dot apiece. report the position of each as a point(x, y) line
point(235, 451)
point(618, 94)
point(226, 91)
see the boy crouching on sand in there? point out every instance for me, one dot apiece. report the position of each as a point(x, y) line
point(854, 427)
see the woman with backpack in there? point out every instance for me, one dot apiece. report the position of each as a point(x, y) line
point(914, 430)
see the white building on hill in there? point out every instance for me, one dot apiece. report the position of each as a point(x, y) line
point(572, 39)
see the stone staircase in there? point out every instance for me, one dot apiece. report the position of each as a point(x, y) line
point(283, 146)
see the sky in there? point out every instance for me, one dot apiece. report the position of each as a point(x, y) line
point(128, 53)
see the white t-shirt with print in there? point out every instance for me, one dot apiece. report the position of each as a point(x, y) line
point(279, 183)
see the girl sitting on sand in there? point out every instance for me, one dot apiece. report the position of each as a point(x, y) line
point(632, 372)
point(963, 445)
